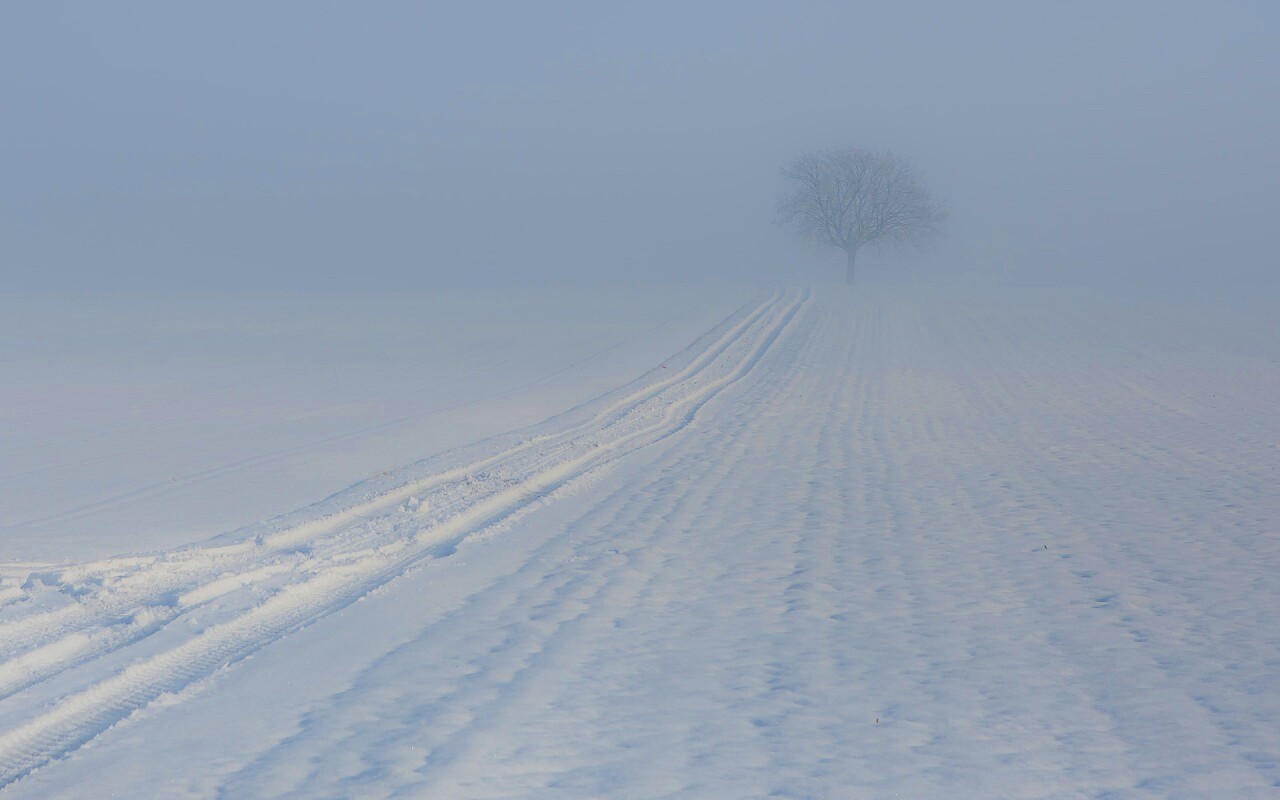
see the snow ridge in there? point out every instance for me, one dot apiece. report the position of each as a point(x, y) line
point(238, 595)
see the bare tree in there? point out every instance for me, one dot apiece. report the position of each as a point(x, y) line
point(850, 199)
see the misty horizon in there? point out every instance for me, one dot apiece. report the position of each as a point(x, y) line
point(342, 148)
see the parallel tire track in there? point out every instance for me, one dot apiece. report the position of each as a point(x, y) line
point(142, 593)
point(369, 555)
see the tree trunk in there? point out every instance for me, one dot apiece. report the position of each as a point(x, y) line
point(852, 255)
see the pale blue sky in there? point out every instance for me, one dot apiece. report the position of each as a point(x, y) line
point(391, 145)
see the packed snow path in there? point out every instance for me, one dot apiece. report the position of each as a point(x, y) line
point(842, 547)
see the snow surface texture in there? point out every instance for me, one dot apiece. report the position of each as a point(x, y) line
point(858, 545)
point(146, 422)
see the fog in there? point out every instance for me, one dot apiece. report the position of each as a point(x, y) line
point(408, 146)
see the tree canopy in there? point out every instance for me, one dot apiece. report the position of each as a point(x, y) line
point(851, 198)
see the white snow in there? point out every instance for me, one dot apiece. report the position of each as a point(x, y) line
point(142, 422)
point(872, 544)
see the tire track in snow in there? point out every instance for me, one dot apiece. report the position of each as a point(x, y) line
point(647, 415)
point(537, 617)
point(164, 486)
point(647, 659)
point(143, 593)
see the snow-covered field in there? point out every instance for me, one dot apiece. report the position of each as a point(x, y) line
point(881, 543)
point(140, 422)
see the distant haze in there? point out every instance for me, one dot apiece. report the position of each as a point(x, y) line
point(405, 146)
